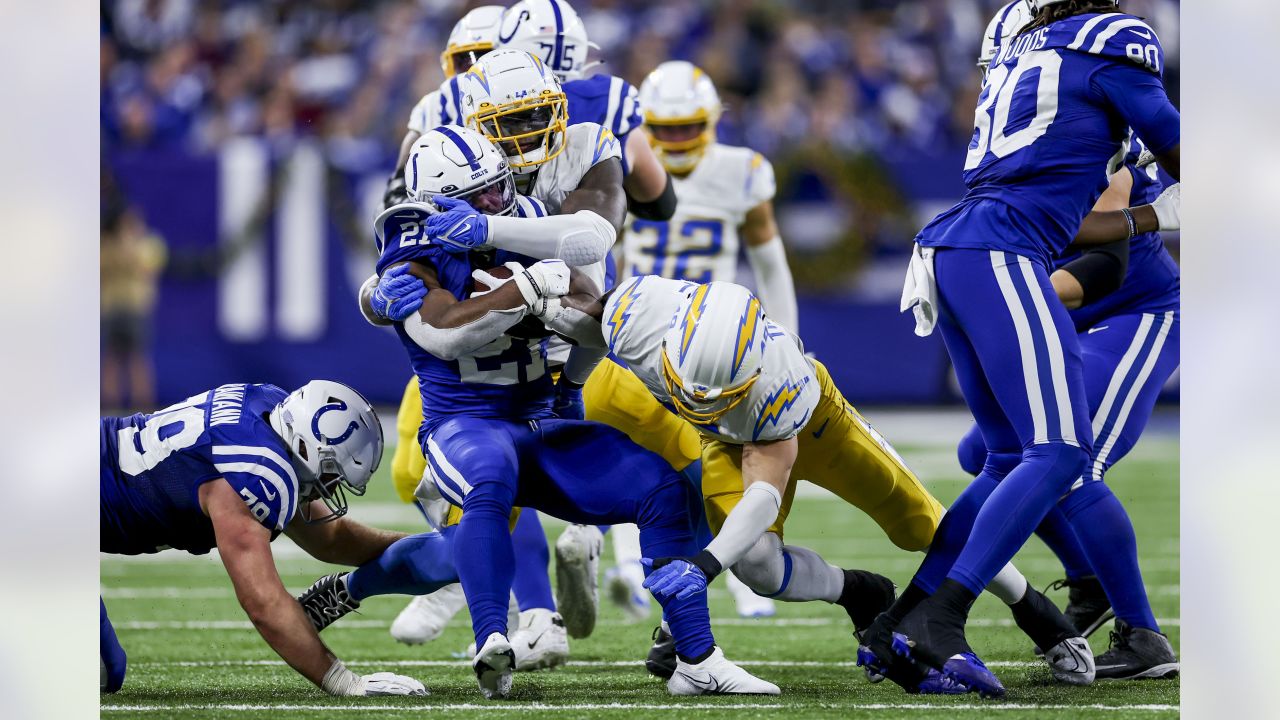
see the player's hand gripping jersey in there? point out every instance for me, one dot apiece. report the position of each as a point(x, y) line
point(153, 466)
point(1051, 125)
point(778, 404)
point(506, 378)
point(700, 242)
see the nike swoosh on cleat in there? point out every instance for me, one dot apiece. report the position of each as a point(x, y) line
point(818, 433)
point(709, 684)
point(535, 640)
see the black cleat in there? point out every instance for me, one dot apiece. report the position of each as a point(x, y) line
point(1087, 605)
point(327, 600)
point(1137, 653)
point(662, 655)
point(865, 595)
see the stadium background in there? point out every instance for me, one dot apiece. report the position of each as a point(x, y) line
point(245, 146)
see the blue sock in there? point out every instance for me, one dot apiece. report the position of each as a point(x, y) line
point(484, 556)
point(110, 652)
point(1014, 510)
point(952, 532)
point(532, 585)
point(702, 529)
point(1106, 532)
point(666, 531)
point(415, 565)
point(1056, 532)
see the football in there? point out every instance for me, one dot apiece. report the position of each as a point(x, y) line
point(501, 272)
point(529, 328)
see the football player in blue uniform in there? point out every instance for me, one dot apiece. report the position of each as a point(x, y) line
point(233, 468)
point(1051, 125)
point(491, 433)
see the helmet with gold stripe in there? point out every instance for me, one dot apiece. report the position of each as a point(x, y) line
point(711, 355)
point(474, 35)
point(681, 108)
point(515, 100)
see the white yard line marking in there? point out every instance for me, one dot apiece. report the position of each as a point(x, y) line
point(577, 707)
point(571, 663)
point(733, 622)
point(165, 593)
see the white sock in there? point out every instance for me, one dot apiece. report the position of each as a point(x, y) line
point(1009, 585)
point(626, 543)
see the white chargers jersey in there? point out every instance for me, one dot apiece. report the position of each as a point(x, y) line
point(585, 145)
point(700, 241)
point(779, 404)
point(436, 108)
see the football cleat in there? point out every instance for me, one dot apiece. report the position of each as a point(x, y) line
point(577, 572)
point(540, 641)
point(968, 670)
point(1071, 661)
point(1087, 605)
point(625, 587)
point(426, 617)
point(662, 661)
point(878, 660)
point(865, 595)
point(750, 605)
point(327, 600)
point(493, 666)
point(717, 676)
point(1137, 653)
point(936, 683)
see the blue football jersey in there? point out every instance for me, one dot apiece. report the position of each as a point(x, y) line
point(1052, 124)
point(608, 101)
point(506, 378)
point(153, 466)
point(1152, 283)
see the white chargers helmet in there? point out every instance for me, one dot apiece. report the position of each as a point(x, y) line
point(472, 36)
point(335, 443)
point(459, 162)
point(681, 108)
point(711, 354)
point(551, 30)
point(1007, 23)
point(512, 98)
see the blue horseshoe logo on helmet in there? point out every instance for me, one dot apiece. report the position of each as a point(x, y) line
point(315, 424)
point(524, 15)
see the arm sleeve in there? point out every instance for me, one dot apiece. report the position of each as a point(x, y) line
point(750, 518)
point(774, 285)
point(1139, 97)
point(453, 343)
point(1100, 270)
point(583, 238)
point(660, 208)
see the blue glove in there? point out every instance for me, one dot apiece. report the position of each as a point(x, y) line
point(674, 579)
point(398, 294)
point(568, 403)
point(459, 228)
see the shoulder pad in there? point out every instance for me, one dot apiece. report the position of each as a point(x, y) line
point(588, 87)
point(760, 185)
point(1115, 36)
point(400, 234)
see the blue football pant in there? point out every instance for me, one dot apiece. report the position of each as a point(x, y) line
point(1018, 362)
point(579, 471)
point(114, 661)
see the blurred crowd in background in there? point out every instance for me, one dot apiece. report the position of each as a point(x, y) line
point(864, 106)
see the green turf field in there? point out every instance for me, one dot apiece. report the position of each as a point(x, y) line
point(192, 653)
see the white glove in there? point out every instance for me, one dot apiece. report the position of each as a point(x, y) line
point(543, 280)
point(492, 282)
point(385, 683)
point(1145, 158)
point(1168, 207)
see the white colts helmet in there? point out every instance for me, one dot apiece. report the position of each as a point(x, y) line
point(711, 355)
point(474, 35)
point(551, 30)
point(459, 162)
point(681, 108)
point(512, 98)
point(335, 443)
point(1007, 23)
point(1036, 5)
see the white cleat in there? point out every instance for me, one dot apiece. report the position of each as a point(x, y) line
point(425, 617)
point(717, 676)
point(750, 605)
point(577, 572)
point(493, 666)
point(1071, 661)
point(540, 642)
point(625, 586)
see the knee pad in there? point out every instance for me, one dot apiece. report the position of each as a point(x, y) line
point(972, 451)
point(914, 532)
point(763, 567)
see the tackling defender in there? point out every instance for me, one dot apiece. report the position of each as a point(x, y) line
point(232, 468)
point(1056, 106)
